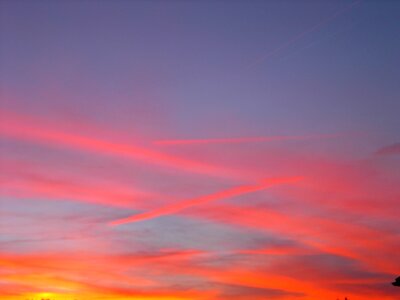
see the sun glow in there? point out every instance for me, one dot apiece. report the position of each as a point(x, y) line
point(47, 296)
point(42, 296)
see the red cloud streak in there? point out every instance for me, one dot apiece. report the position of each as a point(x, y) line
point(233, 192)
point(15, 126)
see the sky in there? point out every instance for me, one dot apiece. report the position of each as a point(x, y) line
point(199, 150)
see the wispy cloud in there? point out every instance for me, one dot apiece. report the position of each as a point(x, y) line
point(240, 140)
point(393, 149)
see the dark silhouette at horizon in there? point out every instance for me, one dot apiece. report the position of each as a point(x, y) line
point(396, 282)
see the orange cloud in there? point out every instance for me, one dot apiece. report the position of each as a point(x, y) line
point(315, 233)
point(90, 275)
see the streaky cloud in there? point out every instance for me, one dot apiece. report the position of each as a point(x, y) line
point(17, 127)
point(233, 192)
point(393, 149)
point(240, 140)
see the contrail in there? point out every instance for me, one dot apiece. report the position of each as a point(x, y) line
point(307, 31)
point(240, 140)
point(233, 192)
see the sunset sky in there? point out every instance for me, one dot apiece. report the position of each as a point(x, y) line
point(199, 150)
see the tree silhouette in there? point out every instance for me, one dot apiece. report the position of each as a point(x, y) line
point(397, 282)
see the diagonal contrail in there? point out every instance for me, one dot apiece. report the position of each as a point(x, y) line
point(305, 32)
point(233, 192)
